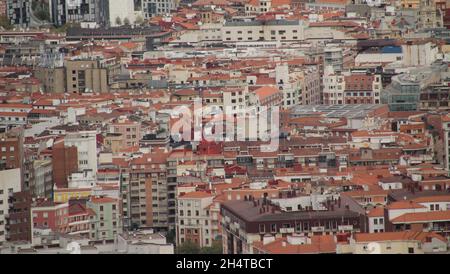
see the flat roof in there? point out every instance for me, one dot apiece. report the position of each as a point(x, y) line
point(336, 111)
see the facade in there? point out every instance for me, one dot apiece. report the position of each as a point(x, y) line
point(19, 12)
point(194, 222)
point(151, 8)
point(42, 185)
point(9, 184)
point(105, 221)
point(86, 144)
point(64, 163)
point(130, 130)
point(68, 11)
point(246, 222)
point(276, 30)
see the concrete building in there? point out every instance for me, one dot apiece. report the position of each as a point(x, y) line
point(333, 56)
point(113, 12)
point(253, 31)
point(19, 12)
point(194, 222)
point(64, 163)
point(73, 11)
point(42, 185)
point(246, 222)
point(130, 130)
point(9, 184)
point(106, 222)
point(87, 76)
point(150, 8)
point(86, 143)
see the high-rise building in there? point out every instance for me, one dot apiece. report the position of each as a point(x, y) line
point(86, 143)
point(19, 12)
point(64, 163)
point(10, 183)
point(73, 11)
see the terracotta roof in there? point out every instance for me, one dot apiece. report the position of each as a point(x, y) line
point(376, 212)
point(396, 236)
point(195, 195)
point(405, 205)
point(423, 217)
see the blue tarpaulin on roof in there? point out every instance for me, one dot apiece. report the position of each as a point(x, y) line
point(391, 49)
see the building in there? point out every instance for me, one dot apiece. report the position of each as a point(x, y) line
point(396, 243)
point(246, 222)
point(66, 11)
point(194, 222)
point(106, 221)
point(89, 75)
point(151, 8)
point(42, 183)
point(10, 183)
point(20, 217)
point(86, 143)
point(272, 30)
point(130, 130)
point(117, 12)
point(19, 12)
point(64, 163)
point(403, 94)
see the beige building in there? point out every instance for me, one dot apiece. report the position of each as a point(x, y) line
point(89, 75)
point(194, 218)
point(405, 242)
point(130, 130)
point(53, 79)
point(275, 30)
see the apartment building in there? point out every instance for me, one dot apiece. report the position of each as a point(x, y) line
point(151, 8)
point(19, 12)
point(246, 222)
point(130, 130)
point(86, 143)
point(194, 222)
point(42, 181)
point(272, 30)
point(9, 184)
point(64, 163)
point(148, 187)
point(65, 11)
point(106, 221)
point(89, 75)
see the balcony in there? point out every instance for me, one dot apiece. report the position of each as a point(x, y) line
point(287, 230)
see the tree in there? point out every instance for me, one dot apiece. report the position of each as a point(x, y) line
point(170, 236)
point(139, 20)
point(126, 21)
point(215, 248)
point(5, 23)
point(188, 247)
point(118, 21)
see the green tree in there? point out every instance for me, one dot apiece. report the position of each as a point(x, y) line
point(118, 21)
point(170, 236)
point(139, 20)
point(5, 23)
point(126, 21)
point(188, 247)
point(215, 248)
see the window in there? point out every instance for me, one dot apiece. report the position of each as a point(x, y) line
point(273, 228)
point(431, 207)
point(411, 250)
point(375, 221)
point(381, 221)
point(262, 228)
